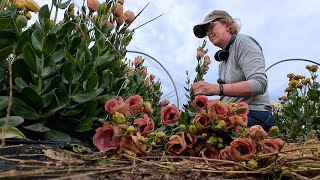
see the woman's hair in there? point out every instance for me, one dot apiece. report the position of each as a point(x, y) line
point(232, 24)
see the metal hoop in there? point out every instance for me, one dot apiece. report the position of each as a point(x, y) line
point(174, 85)
point(307, 60)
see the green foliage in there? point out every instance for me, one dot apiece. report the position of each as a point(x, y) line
point(298, 115)
point(64, 72)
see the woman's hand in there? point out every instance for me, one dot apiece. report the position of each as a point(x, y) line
point(204, 88)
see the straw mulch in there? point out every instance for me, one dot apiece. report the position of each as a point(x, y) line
point(293, 162)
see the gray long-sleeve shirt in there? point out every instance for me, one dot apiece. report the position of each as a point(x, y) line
point(246, 63)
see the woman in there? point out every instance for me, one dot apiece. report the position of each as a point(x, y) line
point(242, 75)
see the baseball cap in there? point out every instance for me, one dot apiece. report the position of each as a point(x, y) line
point(199, 30)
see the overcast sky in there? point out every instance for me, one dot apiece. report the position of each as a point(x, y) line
point(285, 29)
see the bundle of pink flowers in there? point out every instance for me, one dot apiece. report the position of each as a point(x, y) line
point(217, 130)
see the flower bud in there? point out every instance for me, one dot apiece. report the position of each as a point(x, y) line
point(129, 16)
point(151, 77)
point(147, 107)
point(274, 130)
point(164, 103)
point(161, 135)
point(206, 60)
point(182, 127)
point(222, 123)
point(93, 5)
point(118, 118)
point(212, 141)
point(252, 164)
point(131, 130)
point(220, 146)
point(28, 15)
point(138, 60)
point(216, 128)
point(192, 129)
point(120, 20)
point(118, 11)
point(204, 135)
point(120, 1)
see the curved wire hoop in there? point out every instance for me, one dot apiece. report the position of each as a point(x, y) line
point(307, 60)
point(174, 85)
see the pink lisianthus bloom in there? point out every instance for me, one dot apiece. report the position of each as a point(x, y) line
point(107, 138)
point(135, 103)
point(217, 110)
point(242, 149)
point(236, 119)
point(113, 105)
point(270, 145)
point(257, 133)
point(224, 153)
point(145, 125)
point(176, 144)
point(230, 123)
point(201, 121)
point(209, 152)
point(191, 139)
point(170, 115)
point(200, 102)
point(132, 143)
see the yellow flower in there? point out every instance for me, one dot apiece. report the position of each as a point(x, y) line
point(29, 4)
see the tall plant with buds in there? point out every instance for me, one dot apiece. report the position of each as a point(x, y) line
point(297, 115)
point(64, 72)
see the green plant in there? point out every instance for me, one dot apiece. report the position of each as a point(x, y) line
point(64, 72)
point(297, 115)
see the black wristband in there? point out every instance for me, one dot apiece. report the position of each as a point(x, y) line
point(221, 89)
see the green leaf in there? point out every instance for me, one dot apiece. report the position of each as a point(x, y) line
point(184, 118)
point(68, 56)
point(32, 97)
point(13, 121)
point(7, 38)
point(55, 135)
point(23, 40)
point(64, 5)
point(88, 70)
point(49, 66)
point(85, 125)
point(52, 112)
point(30, 58)
point(86, 96)
point(58, 54)
point(68, 72)
point(3, 102)
point(47, 98)
point(20, 108)
point(104, 60)
point(93, 81)
point(36, 40)
point(20, 82)
point(44, 14)
point(38, 127)
point(13, 132)
point(50, 43)
point(4, 53)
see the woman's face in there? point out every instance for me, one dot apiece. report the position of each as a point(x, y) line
point(218, 33)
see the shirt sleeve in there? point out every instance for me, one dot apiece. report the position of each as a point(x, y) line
point(252, 63)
